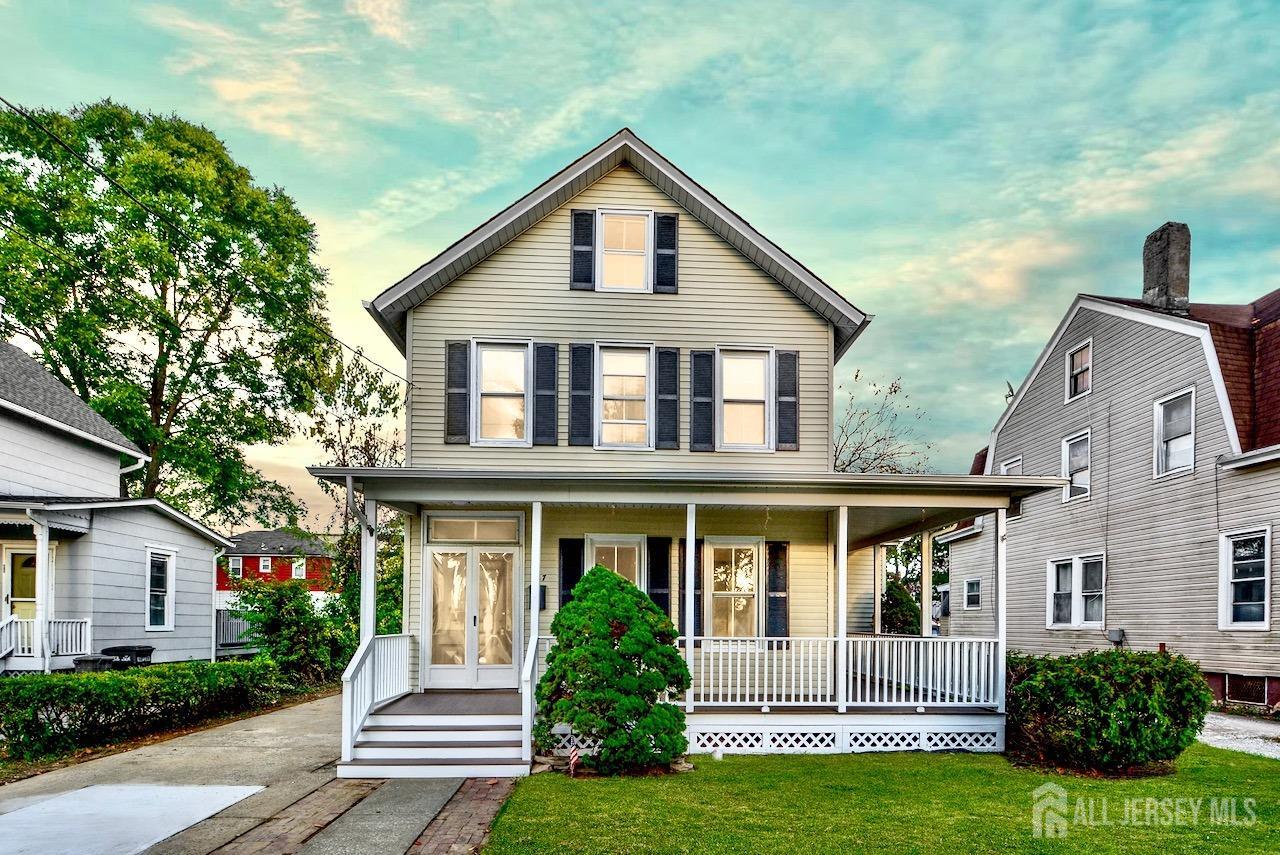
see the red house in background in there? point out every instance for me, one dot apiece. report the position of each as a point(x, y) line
point(278, 554)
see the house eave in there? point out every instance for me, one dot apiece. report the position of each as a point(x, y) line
point(1257, 457)
point(54, 504)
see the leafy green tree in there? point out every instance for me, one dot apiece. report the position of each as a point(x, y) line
point(613, 657)
point(197, 332)
point(286, 625)
point(899, 609)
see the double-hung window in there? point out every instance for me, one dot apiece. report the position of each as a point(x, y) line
point(503, 384)
point(1244, 593)
point(744, 400)
point(299, 568)
point(624, 404)
point(235, 566)
point(1013, 467)
point(622, 553)
point(1175, 420)
point(734, 604)
point(1080, 370)
point(160, 584)
point(972, 593)
point(1077, 592)
point(1075, 466)
point(264, 564)
point(625, 250)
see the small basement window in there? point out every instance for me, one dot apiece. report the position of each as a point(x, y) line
point(1243, 689)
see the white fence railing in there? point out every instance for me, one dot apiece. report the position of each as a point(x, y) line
point(793, 672)
point(896, 671)
point(8, 635)
point(379, 672)
point(231, 629)
point(68, 637)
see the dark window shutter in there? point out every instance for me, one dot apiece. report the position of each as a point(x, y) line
point(582, 254)
point(702, 400)
point(697, 588)
point(581, 380)
point(545, 423)
point(659, 560)
point(457, 403)
point(571, 550)
point(666, 230)
point(668, 388)
point(787, 405)
point(777, 612)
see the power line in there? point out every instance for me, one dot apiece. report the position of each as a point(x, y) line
point(32, 120)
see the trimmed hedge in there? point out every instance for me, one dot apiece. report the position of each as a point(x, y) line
point(48, 714)
point(1104, 710)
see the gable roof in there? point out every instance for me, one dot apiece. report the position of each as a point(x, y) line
point(93, 503)
point(28, 389)
point(1247, 340)
point(624, 147)
point(278, 541)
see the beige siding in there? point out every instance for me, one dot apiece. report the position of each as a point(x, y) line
point(523, 291)
point(1160, 536)
point(973, 558)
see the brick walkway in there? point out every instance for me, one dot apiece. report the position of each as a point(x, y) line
point(463, 824)
point(288, 830)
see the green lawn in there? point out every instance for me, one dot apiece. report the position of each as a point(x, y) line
point(863, 803)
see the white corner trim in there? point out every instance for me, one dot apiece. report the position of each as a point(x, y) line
point(1185, 326)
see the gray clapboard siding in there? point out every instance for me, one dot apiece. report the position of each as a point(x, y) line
point(1160, 536)
point(523, 291)
point(973, 558)
point(37, 460)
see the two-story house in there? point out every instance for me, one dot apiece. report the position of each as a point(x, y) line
point(617, 369)
point(81, 567)
point(1162, 415)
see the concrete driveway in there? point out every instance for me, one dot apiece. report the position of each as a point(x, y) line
point(1242, 733)
point(289, 752)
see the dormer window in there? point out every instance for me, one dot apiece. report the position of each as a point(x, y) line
point(1080, 370)
point(625, 250)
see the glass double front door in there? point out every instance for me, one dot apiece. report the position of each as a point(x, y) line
point(471, 619)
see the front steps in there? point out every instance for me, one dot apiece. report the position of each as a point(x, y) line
point(441, 735)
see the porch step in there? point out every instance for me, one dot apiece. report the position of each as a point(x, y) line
point(448, 722)
point(477, 767)
point(508, 750)
point(419, 734)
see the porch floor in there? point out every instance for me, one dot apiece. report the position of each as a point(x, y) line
point(455, 702)
point(852, 709)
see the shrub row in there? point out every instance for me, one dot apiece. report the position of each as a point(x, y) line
point(48, 714)
point(1104, 710)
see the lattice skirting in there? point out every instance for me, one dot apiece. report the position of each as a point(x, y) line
point(565, 739)
point(769, 738)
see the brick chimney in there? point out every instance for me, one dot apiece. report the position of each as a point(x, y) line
point(1166, 268)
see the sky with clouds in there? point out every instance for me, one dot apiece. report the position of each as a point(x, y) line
point(958, 170)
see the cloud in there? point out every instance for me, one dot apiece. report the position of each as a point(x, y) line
point(386, 18)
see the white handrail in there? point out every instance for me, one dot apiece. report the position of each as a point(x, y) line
point(377, 673)
point(69, 636)
point(8, 635)
point(529, 706)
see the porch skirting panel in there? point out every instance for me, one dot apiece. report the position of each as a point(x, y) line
point(843, 734)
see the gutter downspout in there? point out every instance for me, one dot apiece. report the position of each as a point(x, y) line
point(42, 588)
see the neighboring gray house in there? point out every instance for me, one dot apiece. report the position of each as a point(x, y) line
point(82, 567)
point(1162, 413)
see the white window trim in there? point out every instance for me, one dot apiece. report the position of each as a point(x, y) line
point(708, 595)
point(597, 405)
point(266, 558)
point(170, 593)
point(1158, 434)
point(770, 397)
point(967, 607)
point(1087, 433)
point(637, 540)
point(473, 383)
point(1067, 397)
point(299, 564)
point(1225, 623)
point(1077, 591)
point(1004, 470)
point(429, 516)
point(235, 566)
point(648, 250)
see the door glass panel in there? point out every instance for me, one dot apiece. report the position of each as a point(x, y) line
point(495, 620)
point(22, 580)
point(449, 608)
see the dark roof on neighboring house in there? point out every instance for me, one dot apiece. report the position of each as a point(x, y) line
point(276, 542)
point(27, 388)
point(1247, 340)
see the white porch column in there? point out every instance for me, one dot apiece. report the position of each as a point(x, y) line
point(1001, 627)
point(368, 571)
point(690, 621)
point(842, 607)
point(535, 573)
point(926, 584)
point(40, 641)
point(877, 585)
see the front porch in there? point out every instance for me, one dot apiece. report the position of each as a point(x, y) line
point(32, 635)
point(777, 598)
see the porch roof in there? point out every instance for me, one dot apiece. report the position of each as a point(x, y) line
point(889, 506)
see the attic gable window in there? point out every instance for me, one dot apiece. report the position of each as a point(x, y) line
point(1080, 370)
point(625, 250)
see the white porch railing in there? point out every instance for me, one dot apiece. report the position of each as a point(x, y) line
point(8, 636)
point(231, 629)
point(68, 637)
point(21, 637)
point(882, 671)
point(379, 672)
